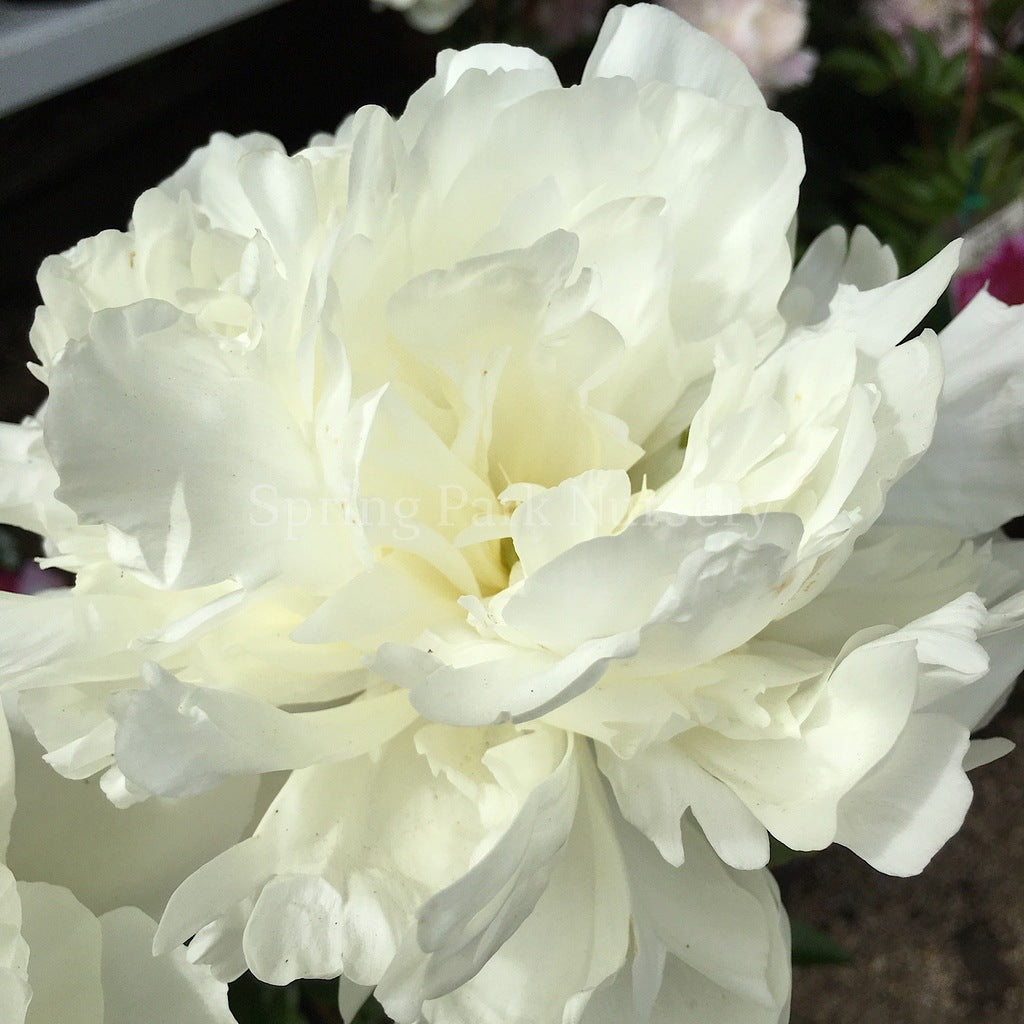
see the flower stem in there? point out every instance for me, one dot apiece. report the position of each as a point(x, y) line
point(973, 86)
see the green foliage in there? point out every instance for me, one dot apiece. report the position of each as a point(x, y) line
point(253, 1002)
point(918, 74)
point(920, 147)
point(302, 1002)
point(371, 1013)
point(780, 854)
point(10, 556)
point(811, 946)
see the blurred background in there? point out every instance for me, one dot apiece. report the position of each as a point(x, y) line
point(915, 127)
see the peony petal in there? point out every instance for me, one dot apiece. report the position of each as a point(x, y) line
point(975, 705)
point(654, 790)
point(725, 959)
point(578, 509)
point(280, 189)
point(648, 43)
point(794, 786)
point(970, 479)
point(351, 998)
point(34, 632)
point(210, 177)
point(406, 834)
point(176, 739)
point(7, 791)
point(398, 598)
point(64, 942)
point(518, 686)
point(491, 58)
point(830, 261)
point(587, 888)
point(463, 926)
point(983, 752)
point(900, 814)
point(205, 502)
point(135, 856)
point(884, 316)
point(28, 480)
point(893, 575)
point(170, 988)
point(593, 604)
point(308, 910)
point(510, 73)
point(661, 568)
point(15, 992)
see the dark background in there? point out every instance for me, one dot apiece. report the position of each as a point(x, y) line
point(73, 165)
point(944, 948)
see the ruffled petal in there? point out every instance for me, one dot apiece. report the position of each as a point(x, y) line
point(970, 479)
point(15, 992)
point(461, 928)
point(655, 788)
point(170, 988)
point(176, 739)
point(649, 43)
point(900, 814)
point(832, 260)
point(587, 887)
point(726, 958)
point(223, 498)
point(64, 942)
point(667, 589)
point(794, 786)
point(431, 843)
point(166, 839)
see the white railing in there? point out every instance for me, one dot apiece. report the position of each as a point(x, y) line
point(46, 48)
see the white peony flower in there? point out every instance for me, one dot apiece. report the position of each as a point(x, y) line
point(61, 962)
point(428, 15)
point(492, 471)
point(767, 35)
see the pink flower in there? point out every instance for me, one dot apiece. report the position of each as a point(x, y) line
point(948, 21)
point(30, 579)
point(1003, 271)
point(565, 21)
point(765, 34)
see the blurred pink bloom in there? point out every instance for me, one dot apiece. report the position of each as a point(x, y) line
point(948, 21)
point(30, 579)
point(1003, 271)
point(765, 34)
point(565, 21)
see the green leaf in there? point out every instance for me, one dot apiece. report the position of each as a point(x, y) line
point(253, 1002)
point(984, 143)
point(371, 1013)
point(930, 64)
point(1013, 66)
point(320, 1001)
point(868, 73)
point(811, 946)
point(951, 80)
point(1009, 100)
point(780, 854)
point(960, 166)
point(893, 54)
point(10, 557)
